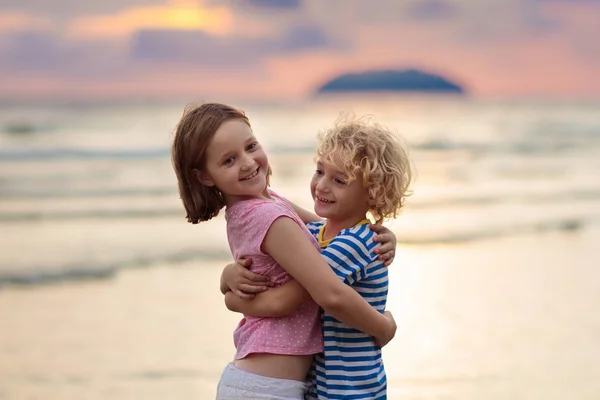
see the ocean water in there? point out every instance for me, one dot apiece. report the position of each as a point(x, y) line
point(89, 190)
point(495, 285)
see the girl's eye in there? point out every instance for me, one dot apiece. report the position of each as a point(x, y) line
point(252, 146)
point(340, 181)
point(228, 161)
point(319, 172)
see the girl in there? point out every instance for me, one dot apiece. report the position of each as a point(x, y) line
point(219, 163)
point(361, 168)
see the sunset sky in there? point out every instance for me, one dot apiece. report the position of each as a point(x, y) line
point(283, 49)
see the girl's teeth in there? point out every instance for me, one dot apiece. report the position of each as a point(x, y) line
point(251, 175)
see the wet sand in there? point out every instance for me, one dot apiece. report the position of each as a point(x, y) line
point(505, 319)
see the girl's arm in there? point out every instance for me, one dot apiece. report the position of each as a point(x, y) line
point(305, 215)
point(223, 286)
point(246, 284)
point(306, 266)
point(276, 302)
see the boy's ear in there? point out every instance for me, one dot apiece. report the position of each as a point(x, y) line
point(371, 202)
point(203, 177)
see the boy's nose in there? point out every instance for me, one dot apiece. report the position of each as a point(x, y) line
point(322, 186)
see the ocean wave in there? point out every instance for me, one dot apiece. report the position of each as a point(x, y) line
point(126, 213)
point(33, 192)
point(522, 198)
point(23, 127)
point(75, 154)
point(50, 274)
point(532, 147)
point(88, 214)
point(165, 374)
point(87, 193)
point(564, 225)
point(293, 149)
point(37, 277)
point(552, 145)
point(441, 145)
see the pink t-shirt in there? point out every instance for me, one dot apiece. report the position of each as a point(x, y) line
point(298, 333)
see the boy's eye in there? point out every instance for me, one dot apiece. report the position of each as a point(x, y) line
point(252, 146)
point(340, 181)
point(319, 172)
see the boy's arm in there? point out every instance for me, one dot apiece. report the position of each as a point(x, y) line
point(276, 302)
point(387, 250)
point(242, 282)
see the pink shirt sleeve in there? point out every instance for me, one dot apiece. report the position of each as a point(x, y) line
point(253, 219)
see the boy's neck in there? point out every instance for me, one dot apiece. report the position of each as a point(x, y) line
point(333, 227)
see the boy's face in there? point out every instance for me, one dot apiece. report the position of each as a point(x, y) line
point(335, 196)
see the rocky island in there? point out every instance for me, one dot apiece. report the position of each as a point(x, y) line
point(410, 80)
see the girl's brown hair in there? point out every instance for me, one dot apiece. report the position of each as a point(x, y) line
point(193, 134)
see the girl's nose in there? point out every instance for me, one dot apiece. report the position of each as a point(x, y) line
point(247, 163)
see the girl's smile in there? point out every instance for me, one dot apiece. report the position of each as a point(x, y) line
point(252, 175)
point(236, 163)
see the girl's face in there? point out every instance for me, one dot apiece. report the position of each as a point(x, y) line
point(235, 162)
point(335, 197)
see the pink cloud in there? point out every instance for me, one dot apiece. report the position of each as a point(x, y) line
point(528, 48)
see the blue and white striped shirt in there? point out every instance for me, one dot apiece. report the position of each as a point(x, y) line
point(351, 366)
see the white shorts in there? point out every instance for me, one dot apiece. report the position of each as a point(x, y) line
point(237, 384)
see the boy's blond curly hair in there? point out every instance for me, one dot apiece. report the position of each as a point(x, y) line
point(371, 151)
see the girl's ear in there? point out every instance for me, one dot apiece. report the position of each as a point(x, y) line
point(203, 177)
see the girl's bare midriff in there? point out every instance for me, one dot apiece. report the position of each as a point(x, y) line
point(277, 365)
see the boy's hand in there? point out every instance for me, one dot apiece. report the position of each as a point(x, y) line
point(387, 249)
point(243, 282)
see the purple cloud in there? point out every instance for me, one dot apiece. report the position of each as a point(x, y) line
point(306, 37)
point(432, 10)
point(67, 8)
point(275, 4)
point(166, 45)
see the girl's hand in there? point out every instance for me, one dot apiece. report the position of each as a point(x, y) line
point(243, 282)
point(387, 249)
point(391, 332)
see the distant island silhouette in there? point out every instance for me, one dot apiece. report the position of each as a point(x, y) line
point(409, 80)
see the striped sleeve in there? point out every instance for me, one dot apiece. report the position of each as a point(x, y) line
point(314, 228)
point(350, 253)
